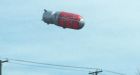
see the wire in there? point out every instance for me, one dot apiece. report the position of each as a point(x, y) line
point(43, 66)
point(64, 66)
point(114, 72)
point(52, 64)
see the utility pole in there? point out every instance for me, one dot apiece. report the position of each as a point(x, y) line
point(1, 65)
point(96, 72)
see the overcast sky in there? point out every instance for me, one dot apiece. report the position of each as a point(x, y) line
point(109, 40)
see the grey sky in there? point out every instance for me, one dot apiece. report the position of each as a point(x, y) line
point(109, 40)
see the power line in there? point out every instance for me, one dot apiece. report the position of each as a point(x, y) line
point(64, 66)
point(114, 72)
point(52, 64)
point(22, 64)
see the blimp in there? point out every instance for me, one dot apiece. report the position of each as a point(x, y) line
point(63, 19)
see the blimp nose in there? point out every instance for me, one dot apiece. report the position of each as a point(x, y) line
point(81, 23)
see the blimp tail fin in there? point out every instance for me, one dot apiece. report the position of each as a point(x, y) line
point(45, 10)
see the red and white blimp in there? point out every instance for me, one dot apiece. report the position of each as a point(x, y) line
point(63, 19)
